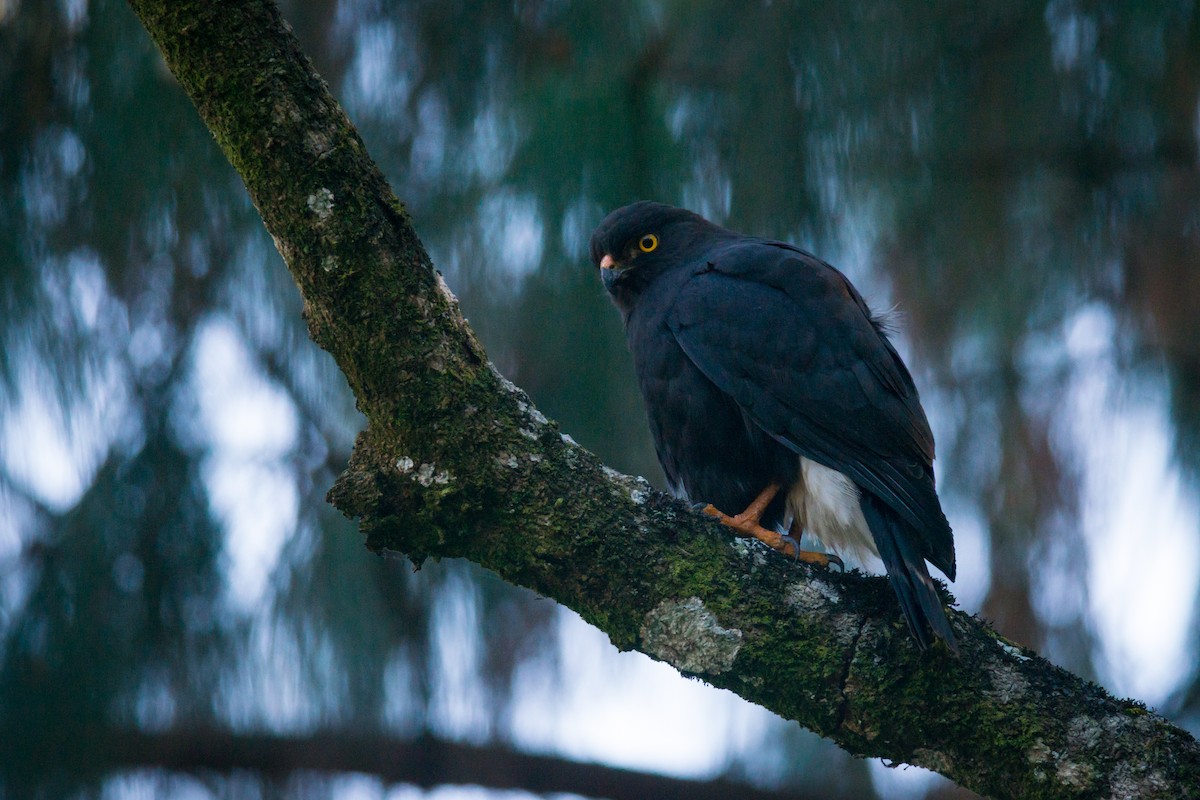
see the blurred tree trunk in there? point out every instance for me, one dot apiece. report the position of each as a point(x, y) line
point(456, 462)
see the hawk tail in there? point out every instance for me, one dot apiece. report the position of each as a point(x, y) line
point(908, 574)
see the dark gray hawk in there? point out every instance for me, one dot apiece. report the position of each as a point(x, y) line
point(775, 395)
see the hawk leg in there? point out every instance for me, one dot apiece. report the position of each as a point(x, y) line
point(746, 524)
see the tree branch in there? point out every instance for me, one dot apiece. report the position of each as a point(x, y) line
point(456, 462)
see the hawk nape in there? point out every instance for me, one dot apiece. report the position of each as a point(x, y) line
point(771, 387)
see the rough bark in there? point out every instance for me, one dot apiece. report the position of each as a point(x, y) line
point(456, 462)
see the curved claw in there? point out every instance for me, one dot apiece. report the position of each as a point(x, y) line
point(828, 559)
point(809, 556)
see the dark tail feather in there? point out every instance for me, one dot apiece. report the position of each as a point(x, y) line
point(908, 574)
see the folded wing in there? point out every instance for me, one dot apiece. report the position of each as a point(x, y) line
point(793, 343)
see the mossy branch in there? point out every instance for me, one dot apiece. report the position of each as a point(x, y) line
point(456, 462)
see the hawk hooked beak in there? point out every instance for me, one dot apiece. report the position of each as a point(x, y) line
point(610, 271)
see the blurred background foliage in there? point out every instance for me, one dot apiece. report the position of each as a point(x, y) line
point(1018, 179)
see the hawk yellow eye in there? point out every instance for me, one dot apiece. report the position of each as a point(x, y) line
point(648, 243)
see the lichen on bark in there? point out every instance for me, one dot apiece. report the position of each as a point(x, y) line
point(687, 636)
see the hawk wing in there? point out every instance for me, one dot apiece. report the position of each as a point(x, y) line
point(791, 341)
